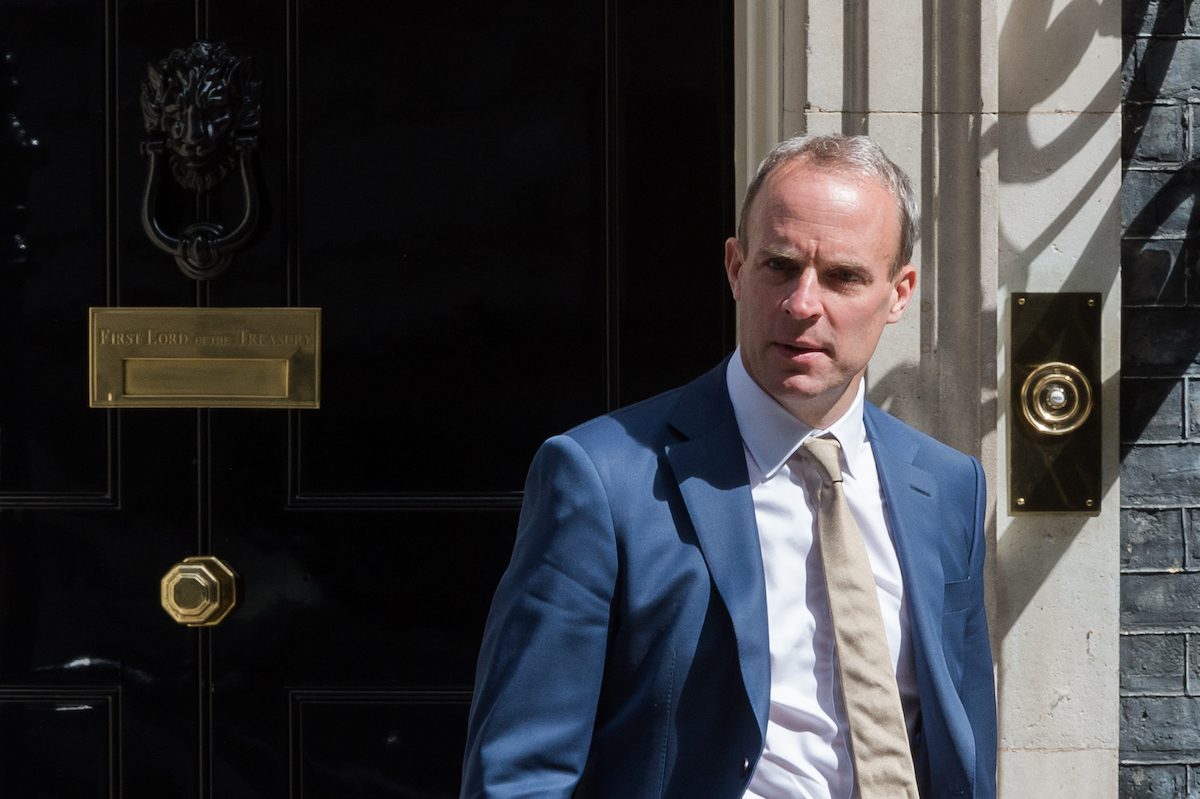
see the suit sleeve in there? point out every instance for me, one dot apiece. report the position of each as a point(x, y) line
point(979, 692)
point(542, 659)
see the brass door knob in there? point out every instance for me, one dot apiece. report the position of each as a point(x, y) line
point(199, 591)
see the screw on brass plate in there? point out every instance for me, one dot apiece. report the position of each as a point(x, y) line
point(1091, 303)
point(1020, 501)
point(1089, 503)
point(1021, 301)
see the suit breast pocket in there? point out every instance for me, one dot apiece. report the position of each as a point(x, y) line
point(959, 597)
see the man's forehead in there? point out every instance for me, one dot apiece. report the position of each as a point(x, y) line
point(803, 171)
point(786, 195)
point(785, 199)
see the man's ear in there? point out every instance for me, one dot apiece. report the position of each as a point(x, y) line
point(903, 286)
point(733, 266)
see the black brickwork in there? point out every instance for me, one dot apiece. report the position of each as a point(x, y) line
point(1160, 401)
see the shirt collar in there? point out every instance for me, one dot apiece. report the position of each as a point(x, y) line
point(772, 434)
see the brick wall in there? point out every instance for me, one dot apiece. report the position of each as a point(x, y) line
point(1160, 401)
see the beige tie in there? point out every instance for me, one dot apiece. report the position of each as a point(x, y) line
point(883, 766)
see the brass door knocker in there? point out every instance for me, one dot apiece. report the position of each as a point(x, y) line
point(201, 107)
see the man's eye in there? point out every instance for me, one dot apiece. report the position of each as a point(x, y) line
point(847, 276)
point(778, 264)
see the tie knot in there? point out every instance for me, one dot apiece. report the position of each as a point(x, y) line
point(824, 453)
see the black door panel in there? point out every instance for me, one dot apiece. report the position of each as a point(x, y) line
point(511, 215)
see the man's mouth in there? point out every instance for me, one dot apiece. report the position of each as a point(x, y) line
point(801, 348)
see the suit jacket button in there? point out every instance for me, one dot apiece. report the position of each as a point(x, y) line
point(745, 766)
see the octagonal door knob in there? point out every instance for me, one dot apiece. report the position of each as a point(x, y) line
point(199, 591)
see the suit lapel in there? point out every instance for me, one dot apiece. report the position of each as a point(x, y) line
point(914, 513)
point(709, 465)
point(911, 497)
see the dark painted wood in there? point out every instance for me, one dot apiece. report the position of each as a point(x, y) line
point(512, 215)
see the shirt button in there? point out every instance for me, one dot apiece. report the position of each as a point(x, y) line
point(745, 766)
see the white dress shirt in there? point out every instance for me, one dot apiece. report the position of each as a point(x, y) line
point(806, 755)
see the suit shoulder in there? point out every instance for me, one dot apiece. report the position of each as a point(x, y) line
point(928, 452)
point(656, 421)
point(642, 424)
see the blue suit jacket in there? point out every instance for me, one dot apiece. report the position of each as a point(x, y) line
point(626, 651)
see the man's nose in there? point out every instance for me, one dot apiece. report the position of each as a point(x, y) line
point(804, 301)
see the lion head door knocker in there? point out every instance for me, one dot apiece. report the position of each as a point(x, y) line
point(201, 107)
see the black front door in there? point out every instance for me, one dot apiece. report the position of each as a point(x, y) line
point(511, 216)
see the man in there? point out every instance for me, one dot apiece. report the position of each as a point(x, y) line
point(667, 624)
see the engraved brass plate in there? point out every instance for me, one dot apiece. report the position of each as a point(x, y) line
point(204, 357)
point(1054, 428)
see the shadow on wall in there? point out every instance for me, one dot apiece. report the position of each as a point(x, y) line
point(1042, 50)
point(1149, 342)
point(1158, 214)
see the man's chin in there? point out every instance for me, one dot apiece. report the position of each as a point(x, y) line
point(811, 401)
point(802, 389)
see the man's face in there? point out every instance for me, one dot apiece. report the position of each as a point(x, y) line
point(813, 288)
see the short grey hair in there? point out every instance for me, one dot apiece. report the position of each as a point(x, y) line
point(858, 155)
